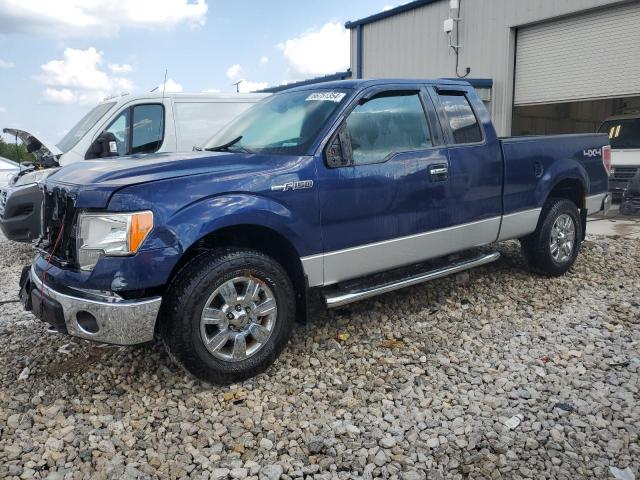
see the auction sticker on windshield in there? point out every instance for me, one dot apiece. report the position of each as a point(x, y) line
point(326, 97)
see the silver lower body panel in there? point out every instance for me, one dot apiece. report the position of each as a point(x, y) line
point(337, 266)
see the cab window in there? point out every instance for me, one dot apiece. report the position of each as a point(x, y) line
point(148, 128)
point(387, 124)
point(463, 122)
point(139, 129)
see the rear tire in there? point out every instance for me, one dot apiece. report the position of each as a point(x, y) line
point(552, 249)
point(228, 315)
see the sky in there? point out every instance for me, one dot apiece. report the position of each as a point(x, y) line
point(59, 58)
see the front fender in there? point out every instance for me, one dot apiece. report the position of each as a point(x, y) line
point(556, 172)
point(212, 214)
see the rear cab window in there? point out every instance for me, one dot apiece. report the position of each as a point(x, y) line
point(461, 118)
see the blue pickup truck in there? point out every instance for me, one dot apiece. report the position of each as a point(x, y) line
point(353, 188)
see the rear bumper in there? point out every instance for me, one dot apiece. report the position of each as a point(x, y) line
point(617, 187)
point(98, 316)
point(600, 202)
point(20, 212)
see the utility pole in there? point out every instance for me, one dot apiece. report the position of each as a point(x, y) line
point(237, 84)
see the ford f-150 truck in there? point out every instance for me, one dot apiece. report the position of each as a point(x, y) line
point(353, 188)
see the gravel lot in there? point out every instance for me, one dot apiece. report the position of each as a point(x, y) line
point(421, 388)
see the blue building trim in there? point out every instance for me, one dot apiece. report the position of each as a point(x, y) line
point(359, 51)
point(389, 13)
point(475, 82)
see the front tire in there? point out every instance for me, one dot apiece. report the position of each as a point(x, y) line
point(552, 249)
point(228, 315)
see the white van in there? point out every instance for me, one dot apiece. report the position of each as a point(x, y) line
point(146, 123)
point(624, 136)
point(8, 169)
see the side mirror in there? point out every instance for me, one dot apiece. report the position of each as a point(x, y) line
point(338, 152)
point(104, 146)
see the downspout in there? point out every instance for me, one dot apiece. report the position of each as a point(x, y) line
point(359, 51)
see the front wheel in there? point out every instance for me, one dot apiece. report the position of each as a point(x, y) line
point(552, 249)
point(228, 315)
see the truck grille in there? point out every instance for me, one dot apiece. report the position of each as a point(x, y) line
point(623, 173)
point(58, 207)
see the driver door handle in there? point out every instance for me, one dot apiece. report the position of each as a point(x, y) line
point(439, 172)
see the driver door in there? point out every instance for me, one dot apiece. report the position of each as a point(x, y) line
point(370, 204)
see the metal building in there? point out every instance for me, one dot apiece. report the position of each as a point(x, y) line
point(548, 66)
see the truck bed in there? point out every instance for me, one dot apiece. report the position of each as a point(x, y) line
point(534, 160)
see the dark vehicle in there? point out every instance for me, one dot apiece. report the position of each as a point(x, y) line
point(353, 188)
point(630, 204)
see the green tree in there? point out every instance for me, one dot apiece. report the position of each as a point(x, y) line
point(16, 152)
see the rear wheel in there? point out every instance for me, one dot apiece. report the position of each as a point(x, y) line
point(552, 249)
point(228, 315)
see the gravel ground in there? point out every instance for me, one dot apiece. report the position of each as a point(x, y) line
point(430, 383)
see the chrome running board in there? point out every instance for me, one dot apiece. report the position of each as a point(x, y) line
point(338, 298)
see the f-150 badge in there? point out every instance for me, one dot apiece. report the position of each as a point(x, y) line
point(299, 185)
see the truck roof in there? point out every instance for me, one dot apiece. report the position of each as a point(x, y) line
point(363, 83)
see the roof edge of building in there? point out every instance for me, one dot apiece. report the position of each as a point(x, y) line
point(310, 81)
point(388, 13)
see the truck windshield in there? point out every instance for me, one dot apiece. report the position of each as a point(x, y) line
point(286, 123)
point(623, 133)
point(80, 129)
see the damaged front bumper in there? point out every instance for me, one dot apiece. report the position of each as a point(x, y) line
point(99, 316)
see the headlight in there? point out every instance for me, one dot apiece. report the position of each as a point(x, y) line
point(34, 177)
point(114, 234)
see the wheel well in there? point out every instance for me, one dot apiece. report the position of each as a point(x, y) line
point(258, 238)
point(571, 189)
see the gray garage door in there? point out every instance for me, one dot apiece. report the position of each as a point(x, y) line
point(593, 55)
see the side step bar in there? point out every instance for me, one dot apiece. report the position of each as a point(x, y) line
point(339, 298)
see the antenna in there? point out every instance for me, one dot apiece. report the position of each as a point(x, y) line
point(164, 84)
point(237, 84)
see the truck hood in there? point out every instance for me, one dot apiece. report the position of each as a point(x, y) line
point(92, 182)
point(48, 149)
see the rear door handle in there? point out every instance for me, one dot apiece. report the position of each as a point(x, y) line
point(439, 172)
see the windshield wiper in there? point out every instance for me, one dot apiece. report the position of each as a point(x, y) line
point(226, 147)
